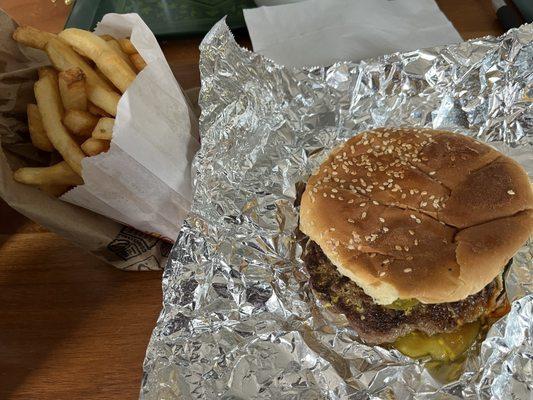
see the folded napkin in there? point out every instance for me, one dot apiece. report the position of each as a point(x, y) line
point(321, 32)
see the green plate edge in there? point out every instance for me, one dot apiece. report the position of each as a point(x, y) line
point(85, 15)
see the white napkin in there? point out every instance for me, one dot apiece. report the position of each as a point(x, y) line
point(321, 32)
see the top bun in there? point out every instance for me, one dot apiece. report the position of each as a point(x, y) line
point(417, 213)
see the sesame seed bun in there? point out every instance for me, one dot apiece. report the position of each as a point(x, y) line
point(418, 213)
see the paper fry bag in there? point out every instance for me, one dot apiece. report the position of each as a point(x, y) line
point(142, 182)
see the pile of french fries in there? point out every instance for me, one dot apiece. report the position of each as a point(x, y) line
point(76, 100)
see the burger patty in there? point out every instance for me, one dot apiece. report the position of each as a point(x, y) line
point(381, 324)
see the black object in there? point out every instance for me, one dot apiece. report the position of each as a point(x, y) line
point(525, 7)
point(507, 16)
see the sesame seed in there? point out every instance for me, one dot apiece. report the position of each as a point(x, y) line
point(362, 317)
point(399, 248)
point(382, 273)
point(334, 190)
point(386, 261)
point(407, 270)
point(332, 196)
point(362, 204)
point(409, 258)
point(413, 216)
point(341, 198)
point(325, 194)
point(363, 215)
point(416, 242)
point(406, 248)
point(411, 232)
point(404, 195)
point(385, 229)
point(350, 201)
point(351, 220)
point(332, 229)
point(375, 202)
point(382, 220)
point(432, 173)
point(418, 221)
point(510, 192)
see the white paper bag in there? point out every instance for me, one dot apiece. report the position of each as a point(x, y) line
point(144, 180)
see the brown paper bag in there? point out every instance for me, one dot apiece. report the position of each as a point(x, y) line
point(119, 245)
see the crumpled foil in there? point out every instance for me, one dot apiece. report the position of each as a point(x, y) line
point(239, 319)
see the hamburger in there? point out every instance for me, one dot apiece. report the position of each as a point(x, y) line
point(409, 231)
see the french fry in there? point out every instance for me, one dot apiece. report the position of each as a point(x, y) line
point(72, 89)
point(80, 123)
point(107, 38)
point(104, 78)
point(104, 129)
point(48, 71)
point(138, 61)
point(54, 190)
point(49, 103)
point(92, 146)
point(36, 128)
point(97, 49)
point(32, 37)
point(127, 46)
point(58, 174)
point(64, 58)
point(95, 110)
point(117, 49)
point(103, 98)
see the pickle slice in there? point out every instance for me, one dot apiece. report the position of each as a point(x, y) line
point(447, 346)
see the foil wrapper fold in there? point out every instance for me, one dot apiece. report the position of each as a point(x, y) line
point(239, 320)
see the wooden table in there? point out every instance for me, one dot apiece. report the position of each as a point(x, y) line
point(72, 327)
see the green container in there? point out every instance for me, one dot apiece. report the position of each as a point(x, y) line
point(164, 17)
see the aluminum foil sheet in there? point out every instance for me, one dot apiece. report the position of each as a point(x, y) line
point(239, 319)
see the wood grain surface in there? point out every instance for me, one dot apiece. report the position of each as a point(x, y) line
point(72, 327)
